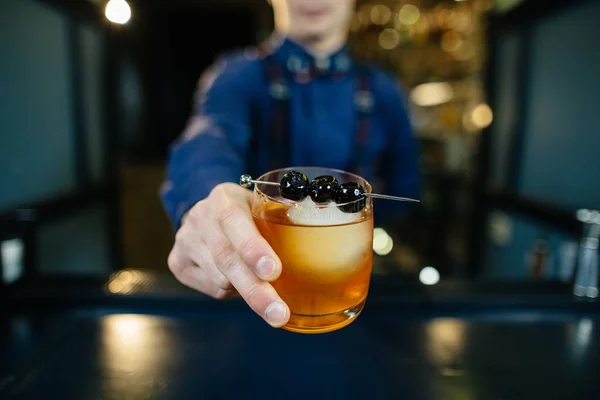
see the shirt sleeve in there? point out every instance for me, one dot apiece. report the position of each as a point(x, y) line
point(401, 160)
point(212, 148)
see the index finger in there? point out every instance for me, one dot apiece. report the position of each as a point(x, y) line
point(238, 225)
point(259, 295)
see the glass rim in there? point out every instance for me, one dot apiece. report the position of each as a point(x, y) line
point(366, 186)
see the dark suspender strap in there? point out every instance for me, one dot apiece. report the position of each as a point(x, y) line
point(279, 135)
point(275, 130)
point(253, 154)
point(363, 103)
point(253, 166)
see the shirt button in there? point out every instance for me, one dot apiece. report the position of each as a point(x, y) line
point(342, 63)
point(322, 63)
point(294, 64)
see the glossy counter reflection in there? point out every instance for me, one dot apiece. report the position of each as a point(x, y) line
point(231, 354)
point(134, 353)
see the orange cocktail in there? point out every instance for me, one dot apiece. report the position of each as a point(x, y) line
point(326, 253)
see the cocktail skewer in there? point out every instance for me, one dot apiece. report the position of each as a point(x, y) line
point(247, 181)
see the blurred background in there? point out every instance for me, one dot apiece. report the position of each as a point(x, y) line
point(502, 96)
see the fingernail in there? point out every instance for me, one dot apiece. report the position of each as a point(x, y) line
point(276, 314)
point(266, 267)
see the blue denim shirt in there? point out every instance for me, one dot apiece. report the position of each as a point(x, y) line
point(322, 127)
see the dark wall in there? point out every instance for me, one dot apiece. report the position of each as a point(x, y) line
point(36, 110)
point(163, 56)
point(53, 139)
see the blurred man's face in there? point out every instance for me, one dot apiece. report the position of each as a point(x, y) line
point(314, 19)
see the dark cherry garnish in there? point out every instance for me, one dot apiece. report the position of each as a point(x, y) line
point(323, 188)
point(294, 186)
point(352, 193)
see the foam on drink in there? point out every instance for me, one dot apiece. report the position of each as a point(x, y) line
point(310, 214)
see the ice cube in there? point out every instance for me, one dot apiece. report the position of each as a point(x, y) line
point(326, 253)
point(310, 214)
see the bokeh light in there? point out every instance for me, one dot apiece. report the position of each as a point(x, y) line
point(409, 14)
point(380, 14)
point(389, 39)
point(461, 20)
point(429, 276)
point(127, 281)
point(432, 94)
point(442, 16)
point(118, 11)
point(364, 14)
point(451, 41)
point(480, 117)
point(382, 242)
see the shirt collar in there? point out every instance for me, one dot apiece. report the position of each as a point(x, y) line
point(302, 66)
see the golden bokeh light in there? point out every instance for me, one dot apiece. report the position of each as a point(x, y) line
point(442, 16)
point(432, 94)
point(126, 281)
point(451, 41)
point(479, 117)
point(364, 14)
point(389, 39)
point(380, 14)
point(409, 14)
point(461, 19)
point(118, 287)
point(482, 116)
point(382, 242)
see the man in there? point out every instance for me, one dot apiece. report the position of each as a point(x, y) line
point(301, 100)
